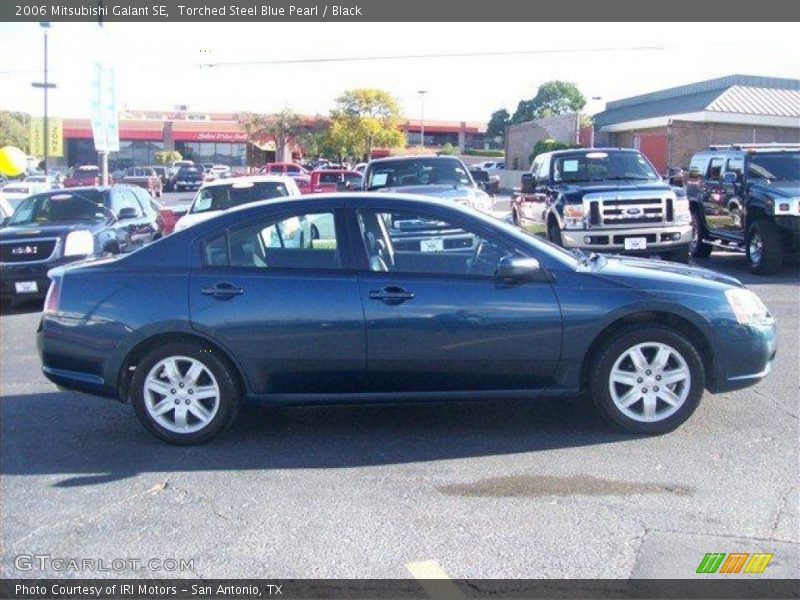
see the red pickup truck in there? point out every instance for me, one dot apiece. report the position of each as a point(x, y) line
point(86, 175)
point(334, 180)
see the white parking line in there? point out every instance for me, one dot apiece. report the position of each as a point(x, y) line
point(436, 582)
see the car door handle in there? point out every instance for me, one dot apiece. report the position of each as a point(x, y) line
point(222, 291)
point(391, 294)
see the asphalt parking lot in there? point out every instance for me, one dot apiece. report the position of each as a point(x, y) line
point(504, 489)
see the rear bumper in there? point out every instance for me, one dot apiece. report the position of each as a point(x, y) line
point(613, 240)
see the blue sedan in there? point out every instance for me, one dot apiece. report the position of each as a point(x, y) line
point(350, 298)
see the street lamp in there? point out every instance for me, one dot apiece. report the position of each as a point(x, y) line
point(422, 117)
point(45, 85)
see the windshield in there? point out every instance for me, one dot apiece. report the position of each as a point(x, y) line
point(188, 171)
point(600, 166)
point(51, 208)
point(783, 166)
point(223, 197)
point(339, 177)
point(418, 171)
point(86, 172)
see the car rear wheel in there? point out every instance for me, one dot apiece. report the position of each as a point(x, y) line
point(764, 248)
point(648, 380)
point(698, 248)
point(184, 394)
point(554, 233)
point(515, 218)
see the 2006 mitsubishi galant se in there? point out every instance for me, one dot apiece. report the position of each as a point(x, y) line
point(370, 297)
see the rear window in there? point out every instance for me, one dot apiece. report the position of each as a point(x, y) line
point(223, 197)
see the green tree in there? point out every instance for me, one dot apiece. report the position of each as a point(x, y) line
point(496, 129)
point(363, 119)
point(283, 126)
point(167, 157)
point(448, 150)
point(14, 130)
point(549, 145)
point(552, 98)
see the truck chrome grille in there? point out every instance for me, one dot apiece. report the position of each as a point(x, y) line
point(627, 210)
point(27, 250)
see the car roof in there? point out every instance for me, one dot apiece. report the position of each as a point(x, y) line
point(586, 151)
point(250, 179)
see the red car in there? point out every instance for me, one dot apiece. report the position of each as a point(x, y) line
point(295, 171)
point(87, 175)
point(168, 215)
point(333, 180)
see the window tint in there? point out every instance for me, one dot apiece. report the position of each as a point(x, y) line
point(736, 165)
point(715, 170)
point(122, 198)
point(697, 167)
point(417, 243)
point(223, 197)
point(300, 241)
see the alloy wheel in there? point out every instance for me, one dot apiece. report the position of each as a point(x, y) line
point(756, 248)
point(181, 394)
point(649, 382)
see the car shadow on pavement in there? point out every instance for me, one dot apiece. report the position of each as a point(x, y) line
point(93, 441)
point(735, 265)
point(30, 306)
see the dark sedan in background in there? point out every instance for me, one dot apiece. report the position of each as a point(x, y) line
point(312, 301)
point(63, 226)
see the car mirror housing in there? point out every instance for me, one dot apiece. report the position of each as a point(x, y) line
point(127, 212)
point(518, 269)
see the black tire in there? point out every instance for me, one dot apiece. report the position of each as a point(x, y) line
point(698, 248)
point(678, 255)
point(768, 258)
point(228, 402)
point(554, 233)
point(515, 218)
point(621, 342)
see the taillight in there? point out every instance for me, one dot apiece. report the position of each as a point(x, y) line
point(53, 296)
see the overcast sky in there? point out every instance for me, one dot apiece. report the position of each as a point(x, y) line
point(158, 65)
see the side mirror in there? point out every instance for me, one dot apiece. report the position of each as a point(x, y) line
point(127, 212)
point(730, 177)
point(514, 269)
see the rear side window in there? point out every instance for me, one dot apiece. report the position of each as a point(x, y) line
point(698, 166)
point(297, 241)
point(736, 165)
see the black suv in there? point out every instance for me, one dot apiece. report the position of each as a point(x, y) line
point(62, 226)
point(746, 197)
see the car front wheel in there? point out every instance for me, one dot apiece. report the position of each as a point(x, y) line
point(648, 380)
point(698, 248)
point(764, 248)
point(184, 393)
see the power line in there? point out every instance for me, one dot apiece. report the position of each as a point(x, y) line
point(338, 59)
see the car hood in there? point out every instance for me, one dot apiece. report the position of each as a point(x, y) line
point(788, 189)
point(454, 192)
point(190, 219)
point(660, 276)
point(615, 186)
point(15, 232)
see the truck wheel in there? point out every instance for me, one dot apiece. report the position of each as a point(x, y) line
point(515, 218)
point(554, 233)
point(698, 248)
point(184, 394)
point(764, 248)
point(647, 379)
point(679, 255)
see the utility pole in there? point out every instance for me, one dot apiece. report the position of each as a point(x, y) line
point(46, 85)
point(422, 117)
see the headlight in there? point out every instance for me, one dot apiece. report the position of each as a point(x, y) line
point(682, 212)
point(747, 307)
point(574, 216)
point(79, 243)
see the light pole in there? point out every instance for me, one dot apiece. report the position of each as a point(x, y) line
point(422, 117)
point(46, 86)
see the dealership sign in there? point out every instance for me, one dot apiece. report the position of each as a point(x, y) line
point(210, 136)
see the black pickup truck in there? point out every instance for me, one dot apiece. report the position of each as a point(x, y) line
point(747, 197)
point(604, 200)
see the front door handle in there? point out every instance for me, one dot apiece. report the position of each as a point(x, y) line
point(391, 294)
point(222, 291)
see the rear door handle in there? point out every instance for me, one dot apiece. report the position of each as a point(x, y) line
point(391, 294)
point(222, 291)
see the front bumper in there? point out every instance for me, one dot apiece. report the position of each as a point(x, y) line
point(613, 240)
point(11, 274)
point(746, 353)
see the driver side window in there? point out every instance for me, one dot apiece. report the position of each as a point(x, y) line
point(407, 242)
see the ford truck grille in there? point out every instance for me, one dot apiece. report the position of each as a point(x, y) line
point(629, 212)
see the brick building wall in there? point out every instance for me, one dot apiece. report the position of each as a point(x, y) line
point(688, 137)
point(521, 138)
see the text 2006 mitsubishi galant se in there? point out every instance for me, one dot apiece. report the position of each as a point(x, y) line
point(367, 298)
